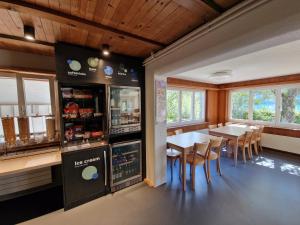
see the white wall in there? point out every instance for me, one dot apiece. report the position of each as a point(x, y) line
point(282, 143)
point(271, 24)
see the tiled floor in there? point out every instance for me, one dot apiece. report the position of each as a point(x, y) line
point(263, 191)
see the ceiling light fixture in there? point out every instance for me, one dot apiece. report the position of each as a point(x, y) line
point(29, 33)
point(221, 74)
point(105, 49)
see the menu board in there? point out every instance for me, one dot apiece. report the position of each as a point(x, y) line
point(161, 103)
point(86, 65)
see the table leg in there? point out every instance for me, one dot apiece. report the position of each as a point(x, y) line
point(235, 151)
point(183, 170)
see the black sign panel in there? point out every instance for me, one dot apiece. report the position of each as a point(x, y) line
point(85, 65)
point(84, 175)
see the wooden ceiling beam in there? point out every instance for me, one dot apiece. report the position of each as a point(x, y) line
point(22, 39)
point(74, 21)
point(212, 4)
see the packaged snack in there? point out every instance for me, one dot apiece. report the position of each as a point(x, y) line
point(86, 113)
point(67, 92)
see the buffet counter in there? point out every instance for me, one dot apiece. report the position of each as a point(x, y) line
point(30, 162)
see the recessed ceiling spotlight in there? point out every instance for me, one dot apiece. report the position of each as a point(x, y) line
point(221, 74)
point(105, 49)
point(29, 33)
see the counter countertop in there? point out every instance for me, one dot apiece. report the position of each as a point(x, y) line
point(31, 162)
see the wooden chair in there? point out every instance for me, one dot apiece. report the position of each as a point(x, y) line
point(244, 143)
point(220, 124)
point(172, 155)
point(258, 138)
point(194, 159)
point(215, 154)
point(254, 142)
point(178, 131)
point(213, 126)
point(228, 123)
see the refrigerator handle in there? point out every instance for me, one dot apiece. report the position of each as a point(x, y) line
point(105, 169)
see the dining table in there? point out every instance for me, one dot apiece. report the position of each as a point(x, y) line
point(184, 143)
point(233, 132)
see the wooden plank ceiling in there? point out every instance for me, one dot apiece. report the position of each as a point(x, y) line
point(131, 27)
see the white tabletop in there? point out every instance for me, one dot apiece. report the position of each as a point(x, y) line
point(187, 140)
point(235, 130)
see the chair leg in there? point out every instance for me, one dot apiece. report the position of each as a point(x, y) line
point(218, 162)
point(244, 154)
point(179, 169)
point(175, 161)
point(208, 171)
point(171, 165)
point(255, 148)
point(193, 176)
point(205, 172)
point(260, 146)
point(249, 151)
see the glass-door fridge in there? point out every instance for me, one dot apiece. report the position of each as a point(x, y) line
point(124, 109)
point(83, 114)
point(126, 164)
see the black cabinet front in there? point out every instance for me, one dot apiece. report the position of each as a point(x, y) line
point(84, 175)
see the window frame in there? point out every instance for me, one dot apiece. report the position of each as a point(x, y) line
point(278, 105)
point(20, 77)
point(193, 120)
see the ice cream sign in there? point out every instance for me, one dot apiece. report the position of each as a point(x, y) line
point(89, 172)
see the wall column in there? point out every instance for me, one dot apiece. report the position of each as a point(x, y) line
point(156, 134)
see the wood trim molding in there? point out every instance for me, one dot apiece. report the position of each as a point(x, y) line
point(21, 70)
point(288, 79)
point(189, 128)
point(176, 82)
point(64, 18)
point(282, 131)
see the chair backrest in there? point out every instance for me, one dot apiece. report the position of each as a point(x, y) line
point(216, 143)
point(178, 131)
point(255, 135)
point(220, 124)
point(170, 133)
point(248, 136)
point(228, 123)
point(213, 126)
point(203, 148)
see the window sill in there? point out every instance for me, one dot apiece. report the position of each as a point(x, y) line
point(185, 124)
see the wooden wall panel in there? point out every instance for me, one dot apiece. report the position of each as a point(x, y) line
point(223, 106)
point(212, 107)
point(288, 79)
point(175, 82)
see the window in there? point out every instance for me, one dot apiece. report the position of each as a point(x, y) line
point(264, 105)
point(185, 106)
point(290, 105)
point(35, 99)
point(8, 97)
point(172, 106)
point(277, 105)
point(240, 104)
point(199, 105)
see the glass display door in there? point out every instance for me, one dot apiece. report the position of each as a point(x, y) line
point(126, 169)
point(125, 109)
